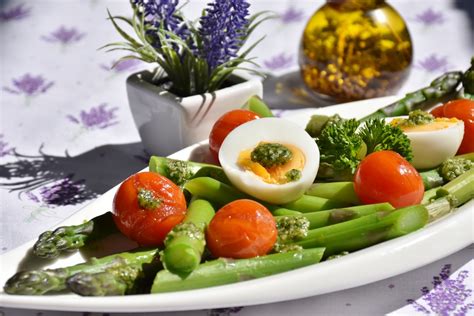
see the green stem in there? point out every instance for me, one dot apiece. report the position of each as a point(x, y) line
point(214, 191)
point(225, 271)
point(338, 191)
point(307, 203)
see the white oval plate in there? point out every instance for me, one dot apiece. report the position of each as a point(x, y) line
point(375, 263)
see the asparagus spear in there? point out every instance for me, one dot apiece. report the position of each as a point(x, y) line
point(338, 215)
point(184, 245)
point(180, 171)
point(225, 271)
point(38, 282)
point(339, 191)
point(367, 230)
point(468, 81)
point(440, 87)
point(213, 191)
point(51, 244)
point(308, 203)
point(256, 104)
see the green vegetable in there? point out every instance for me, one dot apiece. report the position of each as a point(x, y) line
point(271, 154)
point(225, 271)
point(343, 145)
point(184, 244)
point(318, 122)
point(468, 79)
point(338, 215)
point(308, 203)
point(420, 99)
point(367, 230)
point(339, 191)
point(64, 239)
point(256, 105)
point(213, 191)
point(38, 282)
point(180, 171)
point(459, 190)
point(431, 179)
point(293, 175)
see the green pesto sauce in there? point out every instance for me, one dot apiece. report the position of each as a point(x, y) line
point(271, 154)
point(147, 200)
point(417, 117)
point(293, 175)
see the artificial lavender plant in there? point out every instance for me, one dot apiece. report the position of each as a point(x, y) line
point(193, 57)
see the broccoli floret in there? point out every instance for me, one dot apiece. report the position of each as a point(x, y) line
point(454, 167)
point(271, 154)
point(318, 122)
point(179, 171)
point(293, 175)
point(378, 135)
point(340, 145)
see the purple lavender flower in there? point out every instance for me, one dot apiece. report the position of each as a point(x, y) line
point(64, 35)
point(430, 17)
point(4, 148)
point(279, 61)
point(29, 85)
point(162, 13)
point(122, 66)
point(291, 15)
point(222, 29)
point(448, 296)
point(96, 117)
point(17, 12)
point(433, 63)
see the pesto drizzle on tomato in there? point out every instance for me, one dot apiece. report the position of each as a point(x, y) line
point(147, 200)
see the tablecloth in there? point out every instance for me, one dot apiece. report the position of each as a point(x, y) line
point(67, 134)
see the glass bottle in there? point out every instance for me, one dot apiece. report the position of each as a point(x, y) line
point(355, 49)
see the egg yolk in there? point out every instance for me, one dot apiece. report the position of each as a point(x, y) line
point(277, 174)
point(437, 124)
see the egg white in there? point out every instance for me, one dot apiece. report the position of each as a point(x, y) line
point(276, 130)
point(431, 148)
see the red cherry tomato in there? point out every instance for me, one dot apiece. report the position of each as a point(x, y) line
point(225, 124)
point(241, 229)
point(147, 206)
point(385, 176)
point(464, 110)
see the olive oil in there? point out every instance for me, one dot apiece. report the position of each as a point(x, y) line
point(355, 49)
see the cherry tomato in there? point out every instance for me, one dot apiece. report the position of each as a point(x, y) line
point(385, 176)
point(147, 206)
point(225, 124)
point(241, 229)
point(464, 110)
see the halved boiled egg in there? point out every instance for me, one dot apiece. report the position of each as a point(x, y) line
point(271, 159)
point(432, 143)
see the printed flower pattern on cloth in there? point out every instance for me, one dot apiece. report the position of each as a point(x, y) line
point(17, 12)
point(278, 62)
point(122, 65)
point(433, 63)
point(449, 296)
point(96, 117)
point(29, 85)
point(5, 149)
point(430, 17)
point(64, 35)
point(292, 15)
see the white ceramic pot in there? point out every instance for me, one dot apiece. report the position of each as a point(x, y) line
point(167, 123)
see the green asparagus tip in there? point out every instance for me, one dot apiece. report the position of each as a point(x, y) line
point(32, 282)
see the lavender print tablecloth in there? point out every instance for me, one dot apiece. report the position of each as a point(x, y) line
point(67, 135)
